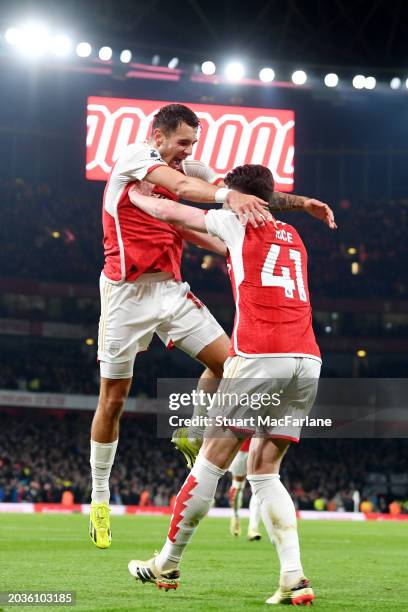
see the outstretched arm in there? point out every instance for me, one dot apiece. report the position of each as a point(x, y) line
point(315, 208)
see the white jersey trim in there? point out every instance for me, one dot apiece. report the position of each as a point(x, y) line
point(115, 214)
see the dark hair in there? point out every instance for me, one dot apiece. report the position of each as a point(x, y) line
point(253, 179)
point(169, 117)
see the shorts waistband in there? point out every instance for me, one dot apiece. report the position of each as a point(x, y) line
point(153, 277)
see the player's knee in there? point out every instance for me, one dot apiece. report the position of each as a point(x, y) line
point(112, 401)
point(112, 407)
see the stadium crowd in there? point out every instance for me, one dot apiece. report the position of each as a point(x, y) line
point(43, 223)
point(45, 453)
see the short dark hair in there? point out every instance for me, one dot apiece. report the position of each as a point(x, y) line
point(253, 179)
point(169, 117)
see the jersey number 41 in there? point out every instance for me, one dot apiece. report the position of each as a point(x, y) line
point(269, 279)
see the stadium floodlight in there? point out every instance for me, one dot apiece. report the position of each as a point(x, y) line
point(234, 71)
point(331, 80)
point(208, 68)
point(361, 353)
point(266, 75)
point(299, 77)
point(105, 54)
point(173, 63)
point(61, 45)
point(359, 81)
point(13, 36)
point(83, 49)
point(406, 83)
point(125, 56)
point(395, 83)
point(370, 82)
point(33, 41)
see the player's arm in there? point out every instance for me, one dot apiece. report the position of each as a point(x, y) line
point(280, 201)
point(169, 211)
point(211, 243)
point(246, 207)
point(315, 208)
point(190, 220)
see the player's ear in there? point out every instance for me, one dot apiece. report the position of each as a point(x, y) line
point(158, 137)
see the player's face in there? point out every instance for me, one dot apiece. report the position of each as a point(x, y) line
point(177, 145)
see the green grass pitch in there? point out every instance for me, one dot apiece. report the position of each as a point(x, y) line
point(353, 566)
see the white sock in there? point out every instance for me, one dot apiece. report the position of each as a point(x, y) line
point(235, 495)
point(200, 413)
point(254, 513)
point(279, 517)
point(102, 458)
point(192, 504)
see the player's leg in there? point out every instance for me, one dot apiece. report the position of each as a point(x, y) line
point(192, 504)
point(265, 456)
point(124, 329)
point(196, 332)
point(279, 517)
point(238, 469)
point(254, 519)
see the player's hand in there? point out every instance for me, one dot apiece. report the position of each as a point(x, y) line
point(321, 211)
point(248, 208)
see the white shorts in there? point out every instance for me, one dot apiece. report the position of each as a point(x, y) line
point(239, 465)
point(279, 389)
point(155, 303)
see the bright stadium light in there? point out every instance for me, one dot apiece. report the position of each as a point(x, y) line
point(61, 45)
point(266, 75)
point(299, 77)
point(125, 56)
point(173, 63)
point(83, 49)
point(406, 83)
point(359, 81)
point(208, 68)
point(12, 36)
point(331, 80)
point(234, 71)
point(370, 82)
point(395, 83)
point(34, 40)
point(105, 54)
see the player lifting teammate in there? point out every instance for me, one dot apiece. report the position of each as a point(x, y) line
point(141, 288)
point(273, 349)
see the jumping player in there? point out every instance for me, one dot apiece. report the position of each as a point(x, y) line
point(273, 349)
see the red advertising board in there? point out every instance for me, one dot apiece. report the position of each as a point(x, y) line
point(229, 136)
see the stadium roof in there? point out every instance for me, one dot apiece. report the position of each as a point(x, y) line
point(350, 33)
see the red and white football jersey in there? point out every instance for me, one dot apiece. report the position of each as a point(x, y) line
point(135, 242)
point(268, 272)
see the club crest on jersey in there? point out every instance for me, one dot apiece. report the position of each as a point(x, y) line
point(155, 155)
